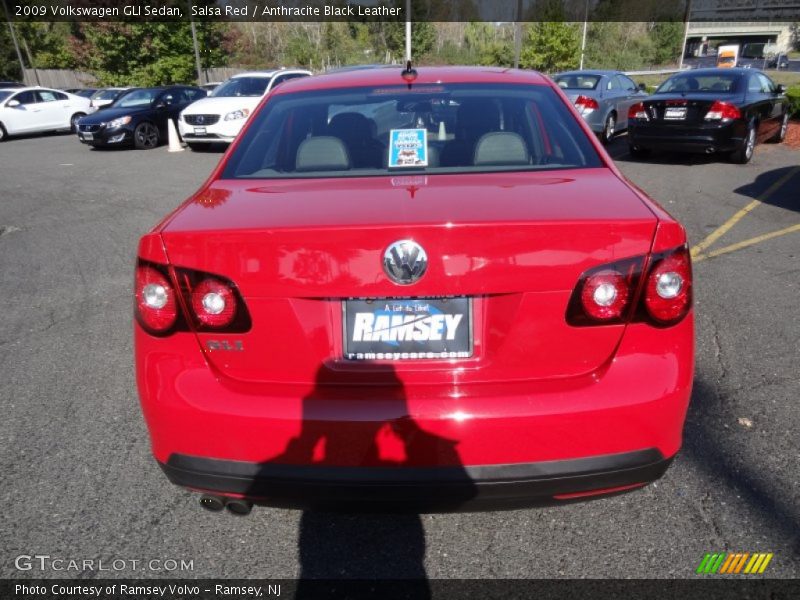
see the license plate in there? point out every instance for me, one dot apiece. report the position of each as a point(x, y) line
point(674, 113)
point(407, 328)
point(199, 130)
point(87, 136)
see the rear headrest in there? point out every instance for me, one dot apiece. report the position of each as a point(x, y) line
point(501, 148)
point(347, 126)
point(322, 153)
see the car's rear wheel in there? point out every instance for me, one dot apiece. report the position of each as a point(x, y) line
point(145, 136)
point(609, 128)
point(781, 134)
point(3, 134)
point(73, 122)
point(745, 153)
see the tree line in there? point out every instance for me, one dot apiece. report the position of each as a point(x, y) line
point(156, 53)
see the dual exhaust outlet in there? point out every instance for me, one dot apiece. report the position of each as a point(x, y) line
point(235, 506)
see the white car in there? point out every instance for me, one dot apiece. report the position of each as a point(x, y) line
point(220, 117)
point(37, 109)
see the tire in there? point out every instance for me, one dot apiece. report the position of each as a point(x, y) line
point(73, 121)
point(743, 155)
point(609, 128)
point(3, 134)
point(781, 135)
point(145, 136)
point(638, 151)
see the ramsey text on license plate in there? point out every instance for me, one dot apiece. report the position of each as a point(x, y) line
point(407, 328)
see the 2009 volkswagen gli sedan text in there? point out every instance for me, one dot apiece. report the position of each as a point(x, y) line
point(428, 289)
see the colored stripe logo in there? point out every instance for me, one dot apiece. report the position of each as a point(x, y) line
point(734, 563)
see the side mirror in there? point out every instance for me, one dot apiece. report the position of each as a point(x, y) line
point(642, 87)
point(161, 105)
point(780, 89)
point(12, 103)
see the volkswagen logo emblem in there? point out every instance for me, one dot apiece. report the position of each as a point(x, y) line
point(405, 262)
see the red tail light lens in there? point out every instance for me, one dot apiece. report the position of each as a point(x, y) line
point(722, 111)
point(637, 111)
point(611, 294)
point(214, 303)
point(156, 305)
point(585, 105)
point(604, 294)
point(668, 287)
point(196, 301)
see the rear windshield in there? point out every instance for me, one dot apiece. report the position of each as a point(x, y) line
point(577, 82)
point(699, 83)
point(431, 129)
point(4, 95)
point(242, 86)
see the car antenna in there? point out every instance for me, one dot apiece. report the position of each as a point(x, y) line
point(409, 74)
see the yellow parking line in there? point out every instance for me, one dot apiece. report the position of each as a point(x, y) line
point(746, 243)
point(726, 226)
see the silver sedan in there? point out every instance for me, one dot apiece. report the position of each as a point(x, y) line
point(602, 98)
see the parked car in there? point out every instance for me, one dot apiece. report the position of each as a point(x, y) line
point(219, 118)
point(10, 84)
point(713, 111)
point(383, 310)
point(106, 97)
point(37, 109)
point(137, 118)
point(602, 98)
point(779, 61)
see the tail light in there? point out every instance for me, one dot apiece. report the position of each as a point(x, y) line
point(723, 111)
point(605, 294)
point(668, 288)
point(585, 105)
point(620, 292)
point(637, 111)
point(214, 303)
point(187, 299)
point(156, 305)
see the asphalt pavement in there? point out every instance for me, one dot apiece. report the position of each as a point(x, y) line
point(78, 481)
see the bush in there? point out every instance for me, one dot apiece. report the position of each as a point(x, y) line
point(793, 93)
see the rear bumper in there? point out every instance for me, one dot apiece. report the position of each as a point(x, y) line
point(702, 139)
point(502, 441)
point(418, 489)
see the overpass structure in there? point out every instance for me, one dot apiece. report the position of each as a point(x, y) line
point(712, 22)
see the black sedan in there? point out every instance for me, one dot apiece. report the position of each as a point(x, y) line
point(712, 111)
point(137, 118)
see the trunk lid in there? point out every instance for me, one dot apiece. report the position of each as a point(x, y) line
point(515, 242)
point(666, 109)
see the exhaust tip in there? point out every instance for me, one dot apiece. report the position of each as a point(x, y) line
point(240, 508)
point(212, 503)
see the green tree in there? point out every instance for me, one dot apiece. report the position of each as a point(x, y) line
point(9, 64)
point(551, 46)
point(667, 37)
point(148, 53)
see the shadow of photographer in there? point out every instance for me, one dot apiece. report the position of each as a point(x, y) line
point(368, 470)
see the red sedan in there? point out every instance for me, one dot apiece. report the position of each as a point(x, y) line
point(422, 289)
